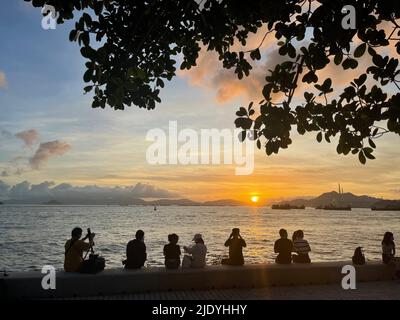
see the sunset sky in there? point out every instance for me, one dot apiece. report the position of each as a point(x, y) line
point(49, 132)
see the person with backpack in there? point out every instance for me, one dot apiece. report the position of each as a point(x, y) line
point(75, 248)
point(358, 257)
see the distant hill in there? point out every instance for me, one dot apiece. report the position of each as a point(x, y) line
point(333, 197)
point(53, 202)
point(325, 199)
point(173, 202)
point(224, 202)
point(135, 202)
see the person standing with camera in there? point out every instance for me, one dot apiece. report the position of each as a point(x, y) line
point(75, 248)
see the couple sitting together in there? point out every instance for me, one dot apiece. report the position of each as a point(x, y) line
point(195, 254)
point(284, 247)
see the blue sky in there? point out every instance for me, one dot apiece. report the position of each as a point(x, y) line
point(44, 92)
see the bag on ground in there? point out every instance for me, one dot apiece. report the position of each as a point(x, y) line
point(93, 265)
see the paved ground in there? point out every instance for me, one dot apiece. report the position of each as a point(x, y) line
point(382, 290)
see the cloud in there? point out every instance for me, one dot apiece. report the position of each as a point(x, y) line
point(47, 150)
point(209, 73)
point(28, 136)
point(19, 171)
point(4, 173)
point(4, 188)
point(149, 191)
point(19, 190)
point(3, 80)
point(5, 134)
point(25, 192)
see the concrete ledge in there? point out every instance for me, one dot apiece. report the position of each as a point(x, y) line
point(27, 285)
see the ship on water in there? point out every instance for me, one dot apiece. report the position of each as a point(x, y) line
point(386, 205)
point(385, 209)
point(334, 206)
point(286, 206)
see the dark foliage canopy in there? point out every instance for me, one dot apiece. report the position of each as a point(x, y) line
point(131, 45)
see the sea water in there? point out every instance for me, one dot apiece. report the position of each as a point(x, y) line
point(33, 236)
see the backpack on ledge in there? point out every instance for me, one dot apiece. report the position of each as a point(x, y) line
point(93, 265)
point(358, 258)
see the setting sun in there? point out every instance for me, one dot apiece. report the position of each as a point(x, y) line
point(254, 199)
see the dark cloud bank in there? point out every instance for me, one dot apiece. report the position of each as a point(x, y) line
point(27, 193)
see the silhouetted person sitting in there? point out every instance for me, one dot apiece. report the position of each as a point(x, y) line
point(388, 248)
point(136, 252)
point(235, 243)
point(301, 248)
point(358, 257)
point(74, 249)
point(172, 252)
point(283, 247)
point(197, 253)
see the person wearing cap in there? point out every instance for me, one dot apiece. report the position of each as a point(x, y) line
point(197, 252)
point(236, 244)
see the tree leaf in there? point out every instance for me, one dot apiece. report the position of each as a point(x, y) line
point(361, 157)
point(360, 50)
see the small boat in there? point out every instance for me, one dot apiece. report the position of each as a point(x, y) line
point(286, 206)
point(155, 208)
point(385, 209)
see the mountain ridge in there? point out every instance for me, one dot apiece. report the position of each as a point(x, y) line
point(134, 201)
point(339, 199)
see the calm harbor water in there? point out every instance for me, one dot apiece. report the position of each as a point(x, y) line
point(32, 236)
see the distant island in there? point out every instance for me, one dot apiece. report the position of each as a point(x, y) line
point(53, 203)
point(132, 202)
point(344, 200)
point(328, 200)
point(286, 206)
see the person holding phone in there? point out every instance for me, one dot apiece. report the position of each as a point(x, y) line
point(74, 249)
point(236, 244)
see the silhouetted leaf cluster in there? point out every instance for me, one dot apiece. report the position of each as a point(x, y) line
point(131, 47)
